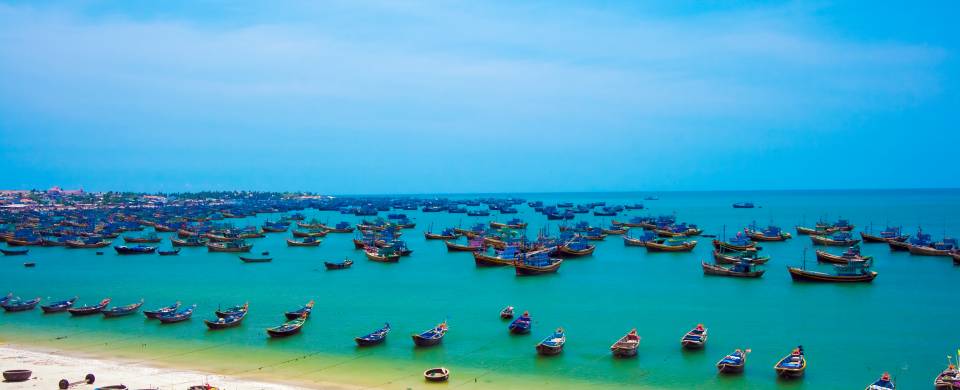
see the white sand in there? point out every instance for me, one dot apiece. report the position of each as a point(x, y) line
point(49, 368)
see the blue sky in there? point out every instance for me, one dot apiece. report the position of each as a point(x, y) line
point(438, 96)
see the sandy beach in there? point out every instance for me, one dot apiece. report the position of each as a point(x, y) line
point(49, 368)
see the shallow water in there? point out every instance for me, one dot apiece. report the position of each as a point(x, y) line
point(902, 323)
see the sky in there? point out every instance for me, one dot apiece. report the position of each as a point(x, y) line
point(355, 97)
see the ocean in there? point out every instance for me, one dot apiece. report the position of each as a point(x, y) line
point(902, 323)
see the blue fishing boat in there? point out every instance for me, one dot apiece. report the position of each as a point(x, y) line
point(14, 252)
point(17, 304)
point(521, 325)
point(733, 363)
point(840, 238)
point(119, 311)
point(696, 338)
point(59, 306)
point(301, 312)
point(793, 365)
point(135, 250)
point(373, 338)
point(536, 263)
point(767, 234)
point(226, 321)
point(478, 213)
point(288, 328)
point(919, 239)
point(153, 314)
point(890, 233)
point(641, 240)
point(431, 337)
point(739, 242)
point(944, 247)
point(576, 247)
point(743, 205)
point(179, 315)
point(884, 383)
point(553, 344)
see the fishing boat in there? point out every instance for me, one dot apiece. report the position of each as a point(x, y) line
point(767, 234)
point(474, 244)
point(373, 338)
point(521, 325)
point(135, 250)
point(233, 310)
point(944, 247)
point(739, 242)
point(851, 254)
point(553, 344)
point(263, 259)
point(835, 239)
point(431, 337)
point(14, 252)
point(151, 238)
point(513, 223)
point(536, 264)
point(505, 257)
point(288, 328)
point(16, 304)
point(752, 255)
point(340, 227)
point(852, 272)
point(576, 247)
point(670, 245)
point(920, 239)
point(89, 310)
point(793, 365)
point(315, 232)
point(506, 313)
point(594, 234)
point(382, 255)
point(301, 312)
point(191, 241)
point(224, 322)
point(446, 234)
point(696, 338)
point(120, 311)
point(346, 263)
point(179, 315)
point(642, 240)
point(309, 241)
point(439, 374)
point(229, 246)
point(819, 230)
point(172, 252)
point(888, 234)
point(59, 306)
point(743, 205)
point(742, 269)
point(948, 379)
point(153, 314)
point(614, 230)
point(884, 383)
point(733, 363)
point(627, 345)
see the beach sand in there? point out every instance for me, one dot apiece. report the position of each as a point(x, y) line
point(49, 368)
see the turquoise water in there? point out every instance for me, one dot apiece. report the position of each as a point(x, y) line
point(903, 323)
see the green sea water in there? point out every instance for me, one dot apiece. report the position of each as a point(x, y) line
point(903, 323)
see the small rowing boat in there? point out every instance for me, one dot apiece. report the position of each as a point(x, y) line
point(793, 365)
point(89, 310)
point(373, 338)
point(59, 306)
point(733, 363)
point(741, 269)
point(288, 328)
point(120, 311)
point(431, 337)
point(627, 345)
point(301, 312)
point(153, 314)
point(696, 338)
point(521, 325)
point(553, 344)
point(439, 374)
point(506, 313)
point(346, 263)
point(178, 315)
point(884, 383)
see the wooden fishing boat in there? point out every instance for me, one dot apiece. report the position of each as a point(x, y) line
point(14, 252)
point(173, 252)
point(151, 238)
point(340, 227)
point(153, 314)
point(942, 248)
point(536, 264)
point(233, 310)
point(793, 365)
point(447, 234)
point(264, 259)
point(439, 374)
point(288, 328)
point(373, 338)
point(178, 315)
point(614, 230)
point(899, 246)
point(431, 337)
point(474, 244)
point(575, 248)
point(59, 306)
point(733, 363)
point(739, 243)
point(14, 241)
point(17, 305)
point(346, 263)
point(642, 240)
point(191, 241)
point(89, 310)
point(135, 250)
point(948, 379)
point(231, 246)
point(301, 312)
point(309, 241)
point(224, 322)
point(506, 313)
point(309, 233)
point(835, 239)
point(553, 344)
point(852, 272)
point(743, 205)
point(670, 245)
point(851, 254)
point(888, 234)
point(382, 255)
point(721, 256)
point(768, 234)
point(120, 311)
point(521, 325)
point(818, 231)
point(627, 345)
point(696, 338)
point(505, 257)
point(511, 224)
point(920, 239)
point(743, 269)
point(884, 383)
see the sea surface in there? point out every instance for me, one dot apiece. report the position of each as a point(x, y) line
point(903, 323)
